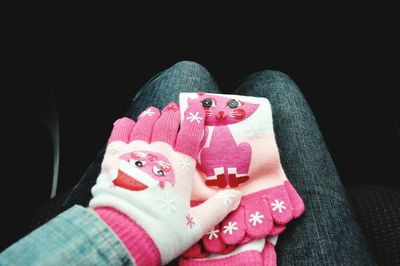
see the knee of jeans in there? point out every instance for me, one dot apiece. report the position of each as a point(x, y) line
point(190, 66)
point(272, 76)
point(272, 82)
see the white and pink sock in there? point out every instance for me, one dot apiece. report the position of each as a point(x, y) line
point(239, 151)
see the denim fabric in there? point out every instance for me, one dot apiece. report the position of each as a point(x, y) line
point(327, 233)
point(75, 237)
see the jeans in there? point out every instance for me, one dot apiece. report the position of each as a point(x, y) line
point(327, 233)
point(75, 237)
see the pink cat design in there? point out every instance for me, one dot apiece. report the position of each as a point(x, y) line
point(224, 162)
point(139, 170)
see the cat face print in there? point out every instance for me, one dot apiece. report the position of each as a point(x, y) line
point(139, 170)
point(222, 111)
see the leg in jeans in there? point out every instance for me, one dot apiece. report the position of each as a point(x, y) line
point(327, 233)
point(165, 87)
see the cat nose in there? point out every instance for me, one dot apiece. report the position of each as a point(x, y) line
point(221, 113)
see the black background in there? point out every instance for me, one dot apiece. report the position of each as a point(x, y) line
point(346, 64)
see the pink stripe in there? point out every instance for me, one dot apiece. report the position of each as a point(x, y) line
point(269, 254)
point(251, 257)
point(141, 247)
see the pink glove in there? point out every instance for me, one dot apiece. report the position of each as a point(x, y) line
point(239, 151)
point(144, 188)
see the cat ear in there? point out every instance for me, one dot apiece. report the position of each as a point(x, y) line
point(195, 97)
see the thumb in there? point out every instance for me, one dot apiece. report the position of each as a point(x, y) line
point(216, 208)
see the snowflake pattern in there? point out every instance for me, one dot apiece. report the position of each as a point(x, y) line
point(278, 205)
point(230, 227)
point(226, 197)
point(213, 233)
point(256, 218)
point(167, 203)
point(185, 163)
point(189, 221)
point(194, 117)
point(148, 112)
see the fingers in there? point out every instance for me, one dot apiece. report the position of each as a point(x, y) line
point(212, 211)
point(212, 241)
point(144, 125)
point(234, 227)
point(280, 206)
point(257, 218)
point(191, 132)
point(166, 127)
point(277, 229)
point(295, 199)
point(122, 130)
point(152, 127)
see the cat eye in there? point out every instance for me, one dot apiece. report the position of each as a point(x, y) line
point(207, 103)
point(158, 171)
point(233, 103)
point(139, 163)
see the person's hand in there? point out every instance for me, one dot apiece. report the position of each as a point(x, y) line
point(147, 175)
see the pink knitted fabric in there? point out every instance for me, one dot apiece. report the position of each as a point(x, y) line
point(146, 180)
point(144, 127)
point(122, 129)
point(248, 258)
point(136, 240)
point(167, 125)
point(239, 151)
point(253, 257)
